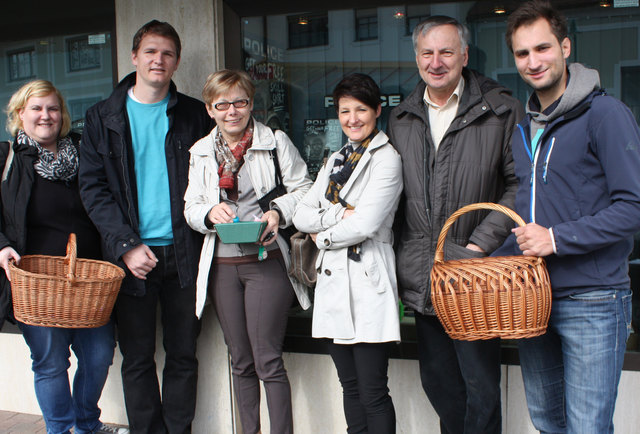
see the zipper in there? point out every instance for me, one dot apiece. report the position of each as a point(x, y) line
point(425, 167)
point(125, 178)
point(532, 180)
point(546, 161)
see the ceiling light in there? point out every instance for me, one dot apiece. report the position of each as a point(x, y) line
point(303, 21)
point(605, 3)
point(398, 15)
point(499, 10)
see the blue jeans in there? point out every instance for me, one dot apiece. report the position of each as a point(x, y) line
point(49, 347)
point(571, 373)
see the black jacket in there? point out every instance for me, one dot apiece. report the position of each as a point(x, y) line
point(15, 193)
point(473, 164)
point(108, 181)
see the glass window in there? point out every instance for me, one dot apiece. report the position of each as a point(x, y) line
point(308, 30)
point(21, 63)
point(79, 65)
point(416, 14)
point(366, 24)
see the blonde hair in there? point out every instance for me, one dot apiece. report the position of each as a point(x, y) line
point(223, 81)
point(18, 101)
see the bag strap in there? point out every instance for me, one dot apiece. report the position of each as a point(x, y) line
point(7, 163)
point(276, 164)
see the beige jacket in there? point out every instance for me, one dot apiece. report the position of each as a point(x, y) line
point(356, 301)
point(203, 193)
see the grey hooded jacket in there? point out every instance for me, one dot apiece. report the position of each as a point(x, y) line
point(473, 164)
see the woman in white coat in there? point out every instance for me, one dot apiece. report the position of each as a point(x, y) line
point(349, 211)
point(230, 170)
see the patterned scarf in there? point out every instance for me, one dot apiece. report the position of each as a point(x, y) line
point(343, 167)
point(230, 161)
point(60, 167)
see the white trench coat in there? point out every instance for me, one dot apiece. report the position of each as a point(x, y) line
point(203, 193)
point(356, 301)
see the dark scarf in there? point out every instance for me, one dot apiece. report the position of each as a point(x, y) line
point(60, 167)
point(230, 161)
point(343, 167)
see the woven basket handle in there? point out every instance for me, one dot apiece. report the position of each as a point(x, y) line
point(439, 255)
point(70, 259)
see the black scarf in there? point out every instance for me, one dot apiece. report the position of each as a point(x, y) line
point(60, 167)
point(343, 167)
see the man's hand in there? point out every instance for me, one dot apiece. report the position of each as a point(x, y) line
point(6, 255)
point(534, 240)
point(221, 213)
point(475, 248)
point(140, 260)
point(273, 221)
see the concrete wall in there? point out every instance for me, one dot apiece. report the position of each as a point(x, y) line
point(199, 24)
point(317, 399)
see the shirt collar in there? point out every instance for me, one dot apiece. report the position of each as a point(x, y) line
point(457, 92)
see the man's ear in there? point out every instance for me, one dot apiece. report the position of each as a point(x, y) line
point(566, 47)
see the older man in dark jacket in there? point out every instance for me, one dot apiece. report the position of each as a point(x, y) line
point(134, 163)
point(453, 133)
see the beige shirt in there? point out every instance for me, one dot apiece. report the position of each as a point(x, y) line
point(440, 117)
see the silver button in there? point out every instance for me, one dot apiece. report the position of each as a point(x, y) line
point(484, 107)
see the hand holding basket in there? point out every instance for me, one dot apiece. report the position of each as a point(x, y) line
point(65, 291)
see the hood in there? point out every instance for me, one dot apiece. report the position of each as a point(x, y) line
point(582, 83)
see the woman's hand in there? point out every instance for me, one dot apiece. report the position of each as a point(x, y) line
point(6, 255)
point(273, 221)
point(221, 213)
point(348, 213)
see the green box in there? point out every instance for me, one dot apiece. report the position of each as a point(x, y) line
point(240, 232)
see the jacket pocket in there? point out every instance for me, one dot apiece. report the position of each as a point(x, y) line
point(411, 261)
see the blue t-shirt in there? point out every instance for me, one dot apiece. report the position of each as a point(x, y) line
point(149, 126)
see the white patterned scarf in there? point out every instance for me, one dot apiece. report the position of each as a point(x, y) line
point(60, 167)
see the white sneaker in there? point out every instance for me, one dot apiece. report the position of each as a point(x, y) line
point(110, 429)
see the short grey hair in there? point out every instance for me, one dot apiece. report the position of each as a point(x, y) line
point(440, 20)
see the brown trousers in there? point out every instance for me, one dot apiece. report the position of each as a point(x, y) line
point(252, 302)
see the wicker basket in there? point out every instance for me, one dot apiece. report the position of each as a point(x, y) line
point(483, 298)
point(64, 292)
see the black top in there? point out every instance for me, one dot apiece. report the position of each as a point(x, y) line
point(54, 211)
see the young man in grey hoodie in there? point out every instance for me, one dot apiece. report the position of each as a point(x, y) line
point(576, 157)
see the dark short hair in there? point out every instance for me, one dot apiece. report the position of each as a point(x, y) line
point(532, 11)
point(426, 25)
point(159, 28)
point(358, 86)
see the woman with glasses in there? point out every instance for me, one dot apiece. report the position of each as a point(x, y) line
point(231, 169)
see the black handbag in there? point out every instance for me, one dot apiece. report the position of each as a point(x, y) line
point(277, 191)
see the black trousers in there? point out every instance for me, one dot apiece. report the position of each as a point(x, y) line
point(362, 369)
point(149, 411)
point(461, 379)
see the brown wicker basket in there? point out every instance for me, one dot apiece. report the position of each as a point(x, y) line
point(495, 297)
point(65, 291)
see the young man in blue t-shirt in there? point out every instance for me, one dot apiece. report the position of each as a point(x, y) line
point(133, 174)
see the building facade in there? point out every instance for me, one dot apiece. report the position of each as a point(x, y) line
point(296, 53)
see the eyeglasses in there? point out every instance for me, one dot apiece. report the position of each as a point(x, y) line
point(222, 106)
